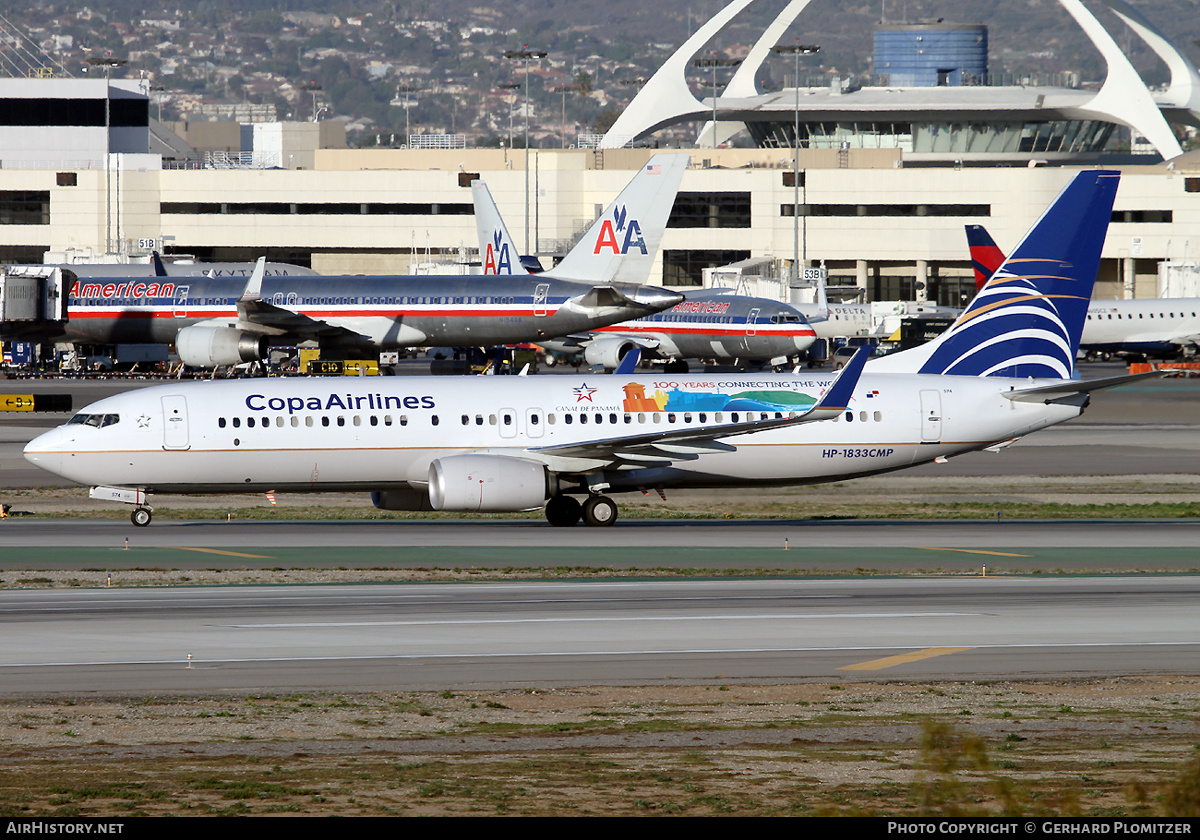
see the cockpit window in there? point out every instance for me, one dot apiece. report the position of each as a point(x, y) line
point(97, 420)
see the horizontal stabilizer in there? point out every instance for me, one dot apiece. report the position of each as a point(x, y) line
point(1065, 390)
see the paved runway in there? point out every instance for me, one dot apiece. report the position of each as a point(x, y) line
point(410, 637)
point(436, 636)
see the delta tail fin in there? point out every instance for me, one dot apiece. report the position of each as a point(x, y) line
point(621, 245)
point(986, 257)
point(497, 251)
point(1028, 319)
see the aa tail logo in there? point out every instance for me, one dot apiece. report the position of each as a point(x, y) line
point(497, 259)
point(607, 238)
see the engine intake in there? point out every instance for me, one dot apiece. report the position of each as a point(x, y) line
point(213, 346)
point(607, 352)
point(487, 484)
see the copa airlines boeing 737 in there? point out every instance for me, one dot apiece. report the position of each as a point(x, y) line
point(228, 320)
point(1003, 370)
point(1157, 327)
point(708, 325)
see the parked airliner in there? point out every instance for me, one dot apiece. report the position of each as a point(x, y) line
point(708, 325)
point(228, 320)
point(1003, 370)
point(1156, 327)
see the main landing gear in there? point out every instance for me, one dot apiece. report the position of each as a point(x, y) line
point(565, 511)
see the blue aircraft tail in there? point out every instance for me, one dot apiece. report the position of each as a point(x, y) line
point(1028, 319)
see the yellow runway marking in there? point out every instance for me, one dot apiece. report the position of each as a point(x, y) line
point(889, 661)
point(218, 551)
point(972, 551)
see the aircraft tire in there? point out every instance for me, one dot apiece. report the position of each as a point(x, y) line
point(140, 517)
point(563, 511)
point(599, 512)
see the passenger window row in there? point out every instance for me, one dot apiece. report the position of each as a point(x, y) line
point(309, 421)
point(612, 418)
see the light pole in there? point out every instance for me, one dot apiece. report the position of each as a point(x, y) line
point(407, 103)
point(108, 63)
point(797, 49)
point(512, 87)
point(564, 90)
point(526, 55)
point(313, 87)
point(714, 63)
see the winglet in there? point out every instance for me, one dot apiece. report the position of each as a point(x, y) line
point(838, 396)
point(160, 270)
point(253, 290)
point(629, 362)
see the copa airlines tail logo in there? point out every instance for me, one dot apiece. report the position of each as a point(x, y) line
point(620, 233)
point(498, 259)
point(1013, 329)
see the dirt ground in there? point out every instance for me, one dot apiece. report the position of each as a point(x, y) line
point(1114, 746)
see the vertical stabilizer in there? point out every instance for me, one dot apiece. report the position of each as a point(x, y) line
point(986, 257)
point(621, 245)
point(1028, 319)
point(497, 251)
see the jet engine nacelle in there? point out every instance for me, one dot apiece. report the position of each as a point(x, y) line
point(607, 352)
point(487, 483)
point(201, 346)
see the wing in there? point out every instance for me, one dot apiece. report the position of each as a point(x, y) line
point(661, 448)
point(256, 315)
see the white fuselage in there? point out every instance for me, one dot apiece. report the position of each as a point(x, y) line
point(1154, 326)
point(300, 434)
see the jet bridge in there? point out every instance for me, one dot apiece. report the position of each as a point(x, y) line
point(33, 301)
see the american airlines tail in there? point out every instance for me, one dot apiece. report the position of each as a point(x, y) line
point(986, 256)
point(497, 250)
point(619, 247)
point(1028, 319)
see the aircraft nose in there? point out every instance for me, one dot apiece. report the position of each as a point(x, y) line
point(46, 450)
point(655, 298)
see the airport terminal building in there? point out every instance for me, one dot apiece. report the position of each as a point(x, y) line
point(883, 212)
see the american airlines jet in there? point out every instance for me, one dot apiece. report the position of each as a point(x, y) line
point(1005, 369)
point(1163, 328)
point(229, 320)
point(708, 325)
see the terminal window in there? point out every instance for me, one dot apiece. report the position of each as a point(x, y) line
point(711, 210)
point(24, 207)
